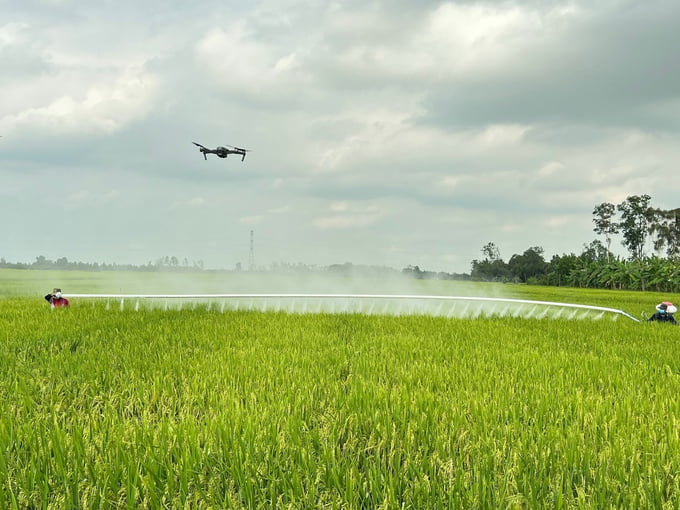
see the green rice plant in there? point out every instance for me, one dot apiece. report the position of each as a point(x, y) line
point(198, 408)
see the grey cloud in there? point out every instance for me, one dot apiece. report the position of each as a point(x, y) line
point(23, 65)
point(607, 71)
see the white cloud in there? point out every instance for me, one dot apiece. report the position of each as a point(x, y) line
point(239, 63)
point(469, 37)
point(557, 221)
point(344, 215)
point(496, 135)
point(79, 196)
point(551, 169)
point(10, 33)
point(105, 107)
point(251, 220)
point(279, 210)
point(193, 202)
point(85, 198)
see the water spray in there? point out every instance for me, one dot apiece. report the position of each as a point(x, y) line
point(370, 304)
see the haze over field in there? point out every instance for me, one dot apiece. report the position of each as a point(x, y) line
point(383, 133)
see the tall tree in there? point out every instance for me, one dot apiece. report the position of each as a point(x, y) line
point(636, 220)
point(666, 229)
point(595, 251)
point(604, 223)
point(491, 252)
point(559, 268)
point(530, 264)
point(491, 267)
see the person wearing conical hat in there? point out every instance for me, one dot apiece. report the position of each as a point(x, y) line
point(664, 313)
point(56, 300)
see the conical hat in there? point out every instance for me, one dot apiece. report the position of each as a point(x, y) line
point(670, 307)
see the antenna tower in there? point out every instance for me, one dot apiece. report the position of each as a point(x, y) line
point(251, 258)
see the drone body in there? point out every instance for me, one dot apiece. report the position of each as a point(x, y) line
point(222, 152)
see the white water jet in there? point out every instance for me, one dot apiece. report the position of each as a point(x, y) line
point(392, 304)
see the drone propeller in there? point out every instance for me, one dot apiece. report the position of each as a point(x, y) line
point(239, 148)
point(202, 149)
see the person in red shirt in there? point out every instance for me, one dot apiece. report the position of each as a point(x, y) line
point(56, 300)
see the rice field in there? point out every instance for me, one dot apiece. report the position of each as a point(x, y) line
point(203, 408)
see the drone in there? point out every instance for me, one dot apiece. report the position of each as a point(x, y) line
point(222, 152)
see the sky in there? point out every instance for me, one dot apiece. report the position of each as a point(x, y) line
point(408, 132)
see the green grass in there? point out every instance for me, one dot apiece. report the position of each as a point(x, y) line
point(201, 409)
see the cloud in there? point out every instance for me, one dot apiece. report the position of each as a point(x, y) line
point(600, 65)
point(189, 203)
point(239, 64)
point(105, 107)
point(59, 85)
point(404, 132)
point(10, 34)
point(343, 215)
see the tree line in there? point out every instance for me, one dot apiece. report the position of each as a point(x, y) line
point(173, 264)
point(162, 264)
point(638, 223)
